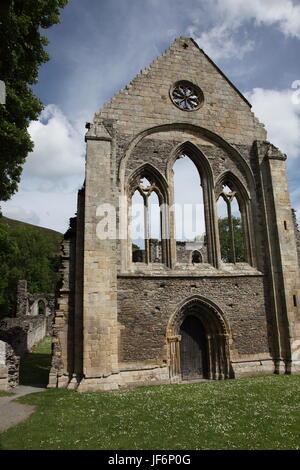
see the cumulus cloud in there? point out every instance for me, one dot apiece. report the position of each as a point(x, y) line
point(58, 149)
point(281, 115)
point(221, 42)
point(225, 39)
point(52, 174)
point(279, 110)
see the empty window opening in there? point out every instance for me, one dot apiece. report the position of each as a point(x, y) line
point(196, 257)
point(155, 246)
point(190, 230)
point(146, 224)
point(295, 300)
point(231, 232)
point(41, 307)
point(138, 228)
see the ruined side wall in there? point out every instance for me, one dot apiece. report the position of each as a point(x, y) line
point(63, 325)
point(23, 334)
point(9, 367)
point(17, 337)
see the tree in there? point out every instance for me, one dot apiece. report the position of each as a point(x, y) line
point(21, 54)
point(226, 240)
point(26, 253)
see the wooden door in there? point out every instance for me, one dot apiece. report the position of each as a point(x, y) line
point(193, 349)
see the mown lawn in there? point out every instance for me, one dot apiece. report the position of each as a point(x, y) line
point(252, 413)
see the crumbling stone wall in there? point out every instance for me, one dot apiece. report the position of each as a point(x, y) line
point(9, 363)
point(297, 234)
point(9, 366)
point(23, 333)
point(20, 334)
point(28, 304)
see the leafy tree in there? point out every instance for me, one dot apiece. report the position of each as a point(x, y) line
point(21, 54)
point(225, 240)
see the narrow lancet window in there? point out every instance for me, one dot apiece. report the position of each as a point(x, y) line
point(146, 223)
point(138, 227)
point(190, 232)
point(155, 246)
point(231, 231)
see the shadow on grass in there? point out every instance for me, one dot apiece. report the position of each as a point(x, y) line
point(35, 366)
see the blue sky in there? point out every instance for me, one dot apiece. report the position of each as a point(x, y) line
point(101, 45)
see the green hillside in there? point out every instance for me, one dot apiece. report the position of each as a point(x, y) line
point(17, 224)
point(26, 252)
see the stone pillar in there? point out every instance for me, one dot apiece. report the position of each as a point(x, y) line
point(3, 368)
point(22, 299)
point(62, 340)
point(78, 314)
point(283, 259)
point(100, 342)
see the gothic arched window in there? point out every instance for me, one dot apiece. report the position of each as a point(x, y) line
point(193, 214)
point(232, 224)
point(147, 215)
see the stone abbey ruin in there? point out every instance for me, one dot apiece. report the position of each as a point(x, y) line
point(166, 309)
point(20, 334)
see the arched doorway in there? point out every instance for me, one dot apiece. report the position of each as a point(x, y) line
point(198, 341)
point(193, 349)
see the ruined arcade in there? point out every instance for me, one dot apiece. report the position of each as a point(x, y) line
point(174, 310)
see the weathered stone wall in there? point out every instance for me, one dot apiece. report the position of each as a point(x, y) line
point(297, 235)
point(63, 325)
point(145, 102)
point(9, 367)
point(28, 304)
point(23, 334)
point(147, 304)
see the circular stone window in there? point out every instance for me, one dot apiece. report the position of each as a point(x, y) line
point(186, 96)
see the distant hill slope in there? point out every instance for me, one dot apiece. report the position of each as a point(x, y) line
point(56, 236)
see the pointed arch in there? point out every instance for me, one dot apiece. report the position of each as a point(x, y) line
point(195, 130)
point(151, 173)
point(244, 202)
point(204, 169)
point(231, 180)
point(196, 155)
point(217, 333)
point(154, 249)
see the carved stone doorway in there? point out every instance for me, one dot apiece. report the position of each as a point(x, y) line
point(193, 349)
point(198, 342)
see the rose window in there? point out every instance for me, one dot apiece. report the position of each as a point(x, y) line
point(186, 96)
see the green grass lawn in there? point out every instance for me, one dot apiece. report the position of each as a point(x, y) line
point(251, 413)
point(6, 394)
point(35, 366)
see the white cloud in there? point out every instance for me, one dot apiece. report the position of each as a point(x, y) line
point(281, 116)
point(52, 174)
point(225, 39)
point(18, 213)
point(58, 149)
point(220, 42)
point(283, 13)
